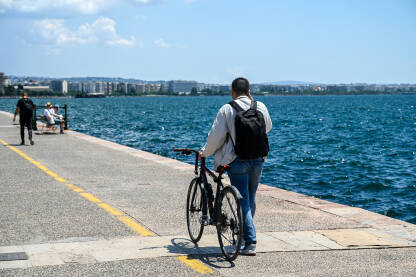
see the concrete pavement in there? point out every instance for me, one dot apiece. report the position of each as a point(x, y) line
point(74, 203)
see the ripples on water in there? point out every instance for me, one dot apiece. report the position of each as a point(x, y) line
point(355, 150)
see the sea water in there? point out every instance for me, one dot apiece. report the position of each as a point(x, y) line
point(355, 150)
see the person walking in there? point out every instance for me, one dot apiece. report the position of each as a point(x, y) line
point(25, 108)
point(243, 150)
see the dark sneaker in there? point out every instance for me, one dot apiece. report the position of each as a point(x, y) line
point(32, 142)
point(62, 131)
point(249, 250)
point(22, 143)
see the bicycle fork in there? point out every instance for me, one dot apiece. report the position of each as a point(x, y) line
point(207, 204)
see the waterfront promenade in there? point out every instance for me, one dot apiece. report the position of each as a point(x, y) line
point(77, 205)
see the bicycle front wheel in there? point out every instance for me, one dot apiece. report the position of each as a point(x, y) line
point(194, 210)
point(229, 223)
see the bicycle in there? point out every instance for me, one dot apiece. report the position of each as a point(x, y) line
point(224, 211)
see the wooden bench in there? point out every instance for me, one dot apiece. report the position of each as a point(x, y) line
point(43, 124)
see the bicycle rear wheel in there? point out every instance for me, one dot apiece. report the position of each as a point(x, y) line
point(229, 223)
point(194, 210)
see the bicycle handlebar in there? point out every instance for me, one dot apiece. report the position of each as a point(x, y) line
point(185, 151)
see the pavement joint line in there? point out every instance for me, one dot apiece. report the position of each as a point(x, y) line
point(196, 265)
point(133, 247)
point(302, 203)
point(137, 227)
point(361, 216)
point(127, 220)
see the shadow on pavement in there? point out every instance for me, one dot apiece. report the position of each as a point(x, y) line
point(45, 133)
point(209, 255)
point(14, 144)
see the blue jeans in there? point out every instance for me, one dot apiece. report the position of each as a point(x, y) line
point(245, 176)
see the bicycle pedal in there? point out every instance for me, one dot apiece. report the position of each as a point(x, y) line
point(205, 220)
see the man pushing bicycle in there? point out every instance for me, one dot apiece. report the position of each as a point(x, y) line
point(238, 138)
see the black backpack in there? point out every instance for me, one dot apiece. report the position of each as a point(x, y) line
point(26, 107)
point(250, 131)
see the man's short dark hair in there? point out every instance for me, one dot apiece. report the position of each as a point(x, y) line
point(240, 86)
point(24, 94)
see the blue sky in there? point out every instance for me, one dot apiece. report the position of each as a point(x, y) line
point(211, 41)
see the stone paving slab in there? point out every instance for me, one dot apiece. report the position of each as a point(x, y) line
point(163, 246)
point(152, 189)
point(364, 237)
point(163, 266)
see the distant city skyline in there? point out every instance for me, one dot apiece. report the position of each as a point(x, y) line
point(212, 41)
point(95, 78)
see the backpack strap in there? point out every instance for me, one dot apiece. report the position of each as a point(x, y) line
point(236, 106)
point(253, 105)
point(229, 138)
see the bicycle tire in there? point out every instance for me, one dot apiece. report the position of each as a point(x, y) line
point(194, 204)
point(229, 223)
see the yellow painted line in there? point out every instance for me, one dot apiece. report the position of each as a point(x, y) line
point(42, 167)
point(51, 173)
point(91, 197)
point(36, 163)
point(136, 226)
point(62, 180)
point(195, 265)
point(74, 188)
point(128, 221)
point(110, 209)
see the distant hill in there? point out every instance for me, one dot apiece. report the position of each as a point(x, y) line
point(287, 83)
point(86, 79)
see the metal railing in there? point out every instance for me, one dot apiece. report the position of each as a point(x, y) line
point(35, 118)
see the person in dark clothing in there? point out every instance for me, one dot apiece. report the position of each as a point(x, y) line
point(25, 108)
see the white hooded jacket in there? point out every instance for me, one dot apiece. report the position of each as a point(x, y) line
point(217, 143)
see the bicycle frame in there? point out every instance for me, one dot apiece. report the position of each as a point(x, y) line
point(209, 203)
point(203, 209)
point(207, 189)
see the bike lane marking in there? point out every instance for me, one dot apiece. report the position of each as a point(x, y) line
point(194, 264)
point(125, 219)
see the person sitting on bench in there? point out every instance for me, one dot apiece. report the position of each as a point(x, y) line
point(52, 117)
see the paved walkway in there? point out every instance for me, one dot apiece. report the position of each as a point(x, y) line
point(77, 205)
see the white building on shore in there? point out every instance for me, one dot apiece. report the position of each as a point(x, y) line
point(4, 82)
point(60, 86)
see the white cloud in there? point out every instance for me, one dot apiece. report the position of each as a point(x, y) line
point(122, 42)
point(162, 43)
point(69, 7)
point(145, 2)
point(53, 32)
point(6, 3)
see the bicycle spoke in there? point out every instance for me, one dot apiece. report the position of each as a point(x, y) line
point(230, 226)
point(232, 243)
point(231, 208)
